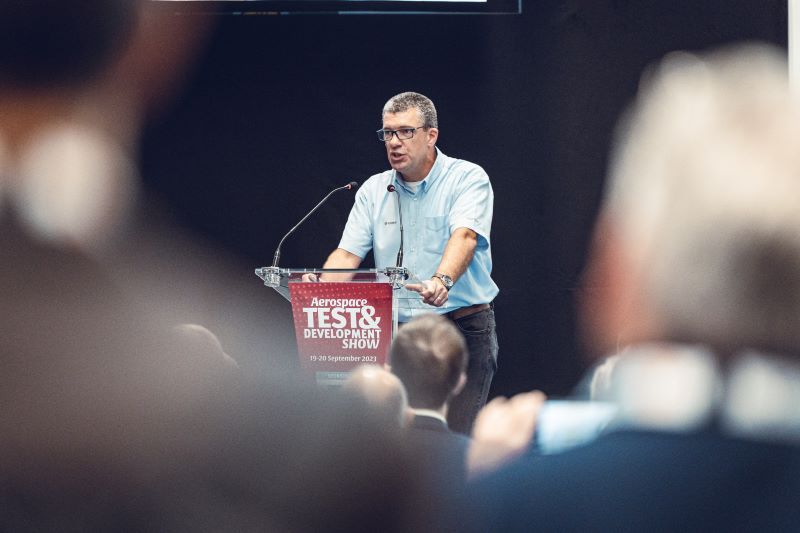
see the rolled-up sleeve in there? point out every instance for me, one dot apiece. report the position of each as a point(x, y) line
point(357, 235)
point(473, 206)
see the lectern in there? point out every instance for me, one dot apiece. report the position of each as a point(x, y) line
point(347, 318)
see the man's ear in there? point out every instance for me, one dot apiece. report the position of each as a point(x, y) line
point(613, 310)
point(433, 136)
point(601, 315)
point(462, 380)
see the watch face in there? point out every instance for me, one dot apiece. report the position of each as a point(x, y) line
point(447, 280)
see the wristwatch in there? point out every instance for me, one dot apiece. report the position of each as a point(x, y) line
point(447, 281)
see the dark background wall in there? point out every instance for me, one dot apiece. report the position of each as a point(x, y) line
point(281, 109)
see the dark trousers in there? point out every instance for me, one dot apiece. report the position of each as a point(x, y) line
point(479, 331)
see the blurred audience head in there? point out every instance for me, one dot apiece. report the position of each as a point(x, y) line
point(698, 237)
point(201, 358)
point(76, 79)
point(67, 182)
point(429, 355)
point(205, 342)
point(380, 390)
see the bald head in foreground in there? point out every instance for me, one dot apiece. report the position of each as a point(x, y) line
point(381, 391)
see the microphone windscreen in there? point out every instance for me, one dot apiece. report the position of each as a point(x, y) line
point(352, 185)
point(390, 188)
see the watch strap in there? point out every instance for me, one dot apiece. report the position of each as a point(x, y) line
point(446, 280)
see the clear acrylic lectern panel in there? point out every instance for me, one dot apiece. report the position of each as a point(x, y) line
point(280, 278)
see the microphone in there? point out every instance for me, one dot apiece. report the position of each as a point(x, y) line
point(391, 188)
point(350, 186)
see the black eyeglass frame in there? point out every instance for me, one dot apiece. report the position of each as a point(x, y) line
point(392, 133)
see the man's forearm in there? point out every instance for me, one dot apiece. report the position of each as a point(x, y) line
point(341, 258)
point(455, 260)
point(458, 253)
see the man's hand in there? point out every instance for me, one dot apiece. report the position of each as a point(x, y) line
point(310, 277)
point(432, 291)
point(503, 431)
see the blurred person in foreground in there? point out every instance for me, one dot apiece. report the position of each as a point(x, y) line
point(696, 270)
point(77, 82)
point(67, 187)
point(86, 379)
point(110, 419)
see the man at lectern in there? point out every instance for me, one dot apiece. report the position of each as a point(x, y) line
point(445, 207)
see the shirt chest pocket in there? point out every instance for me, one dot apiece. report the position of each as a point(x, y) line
point(436, 234)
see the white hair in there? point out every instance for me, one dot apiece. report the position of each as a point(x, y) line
point(705, 187)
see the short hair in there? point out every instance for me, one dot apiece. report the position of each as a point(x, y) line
point(429, 355)
point(705, 193)
point(46, 44)
point(411, 100)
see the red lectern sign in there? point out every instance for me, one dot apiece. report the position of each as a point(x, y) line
point(340, 325)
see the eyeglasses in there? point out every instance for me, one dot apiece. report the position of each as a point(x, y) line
point(385, 135)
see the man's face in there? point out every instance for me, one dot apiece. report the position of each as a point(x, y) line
point(412, 157)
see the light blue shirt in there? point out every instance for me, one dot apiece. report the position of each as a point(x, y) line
point(455, 194)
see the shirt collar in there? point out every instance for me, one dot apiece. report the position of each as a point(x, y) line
point(430, 413)
point(673, 387)
point(668, 387)
point(426, 183)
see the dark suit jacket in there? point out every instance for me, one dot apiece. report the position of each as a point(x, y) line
point(443, 453)
point(645, 481)
point(435, 433)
